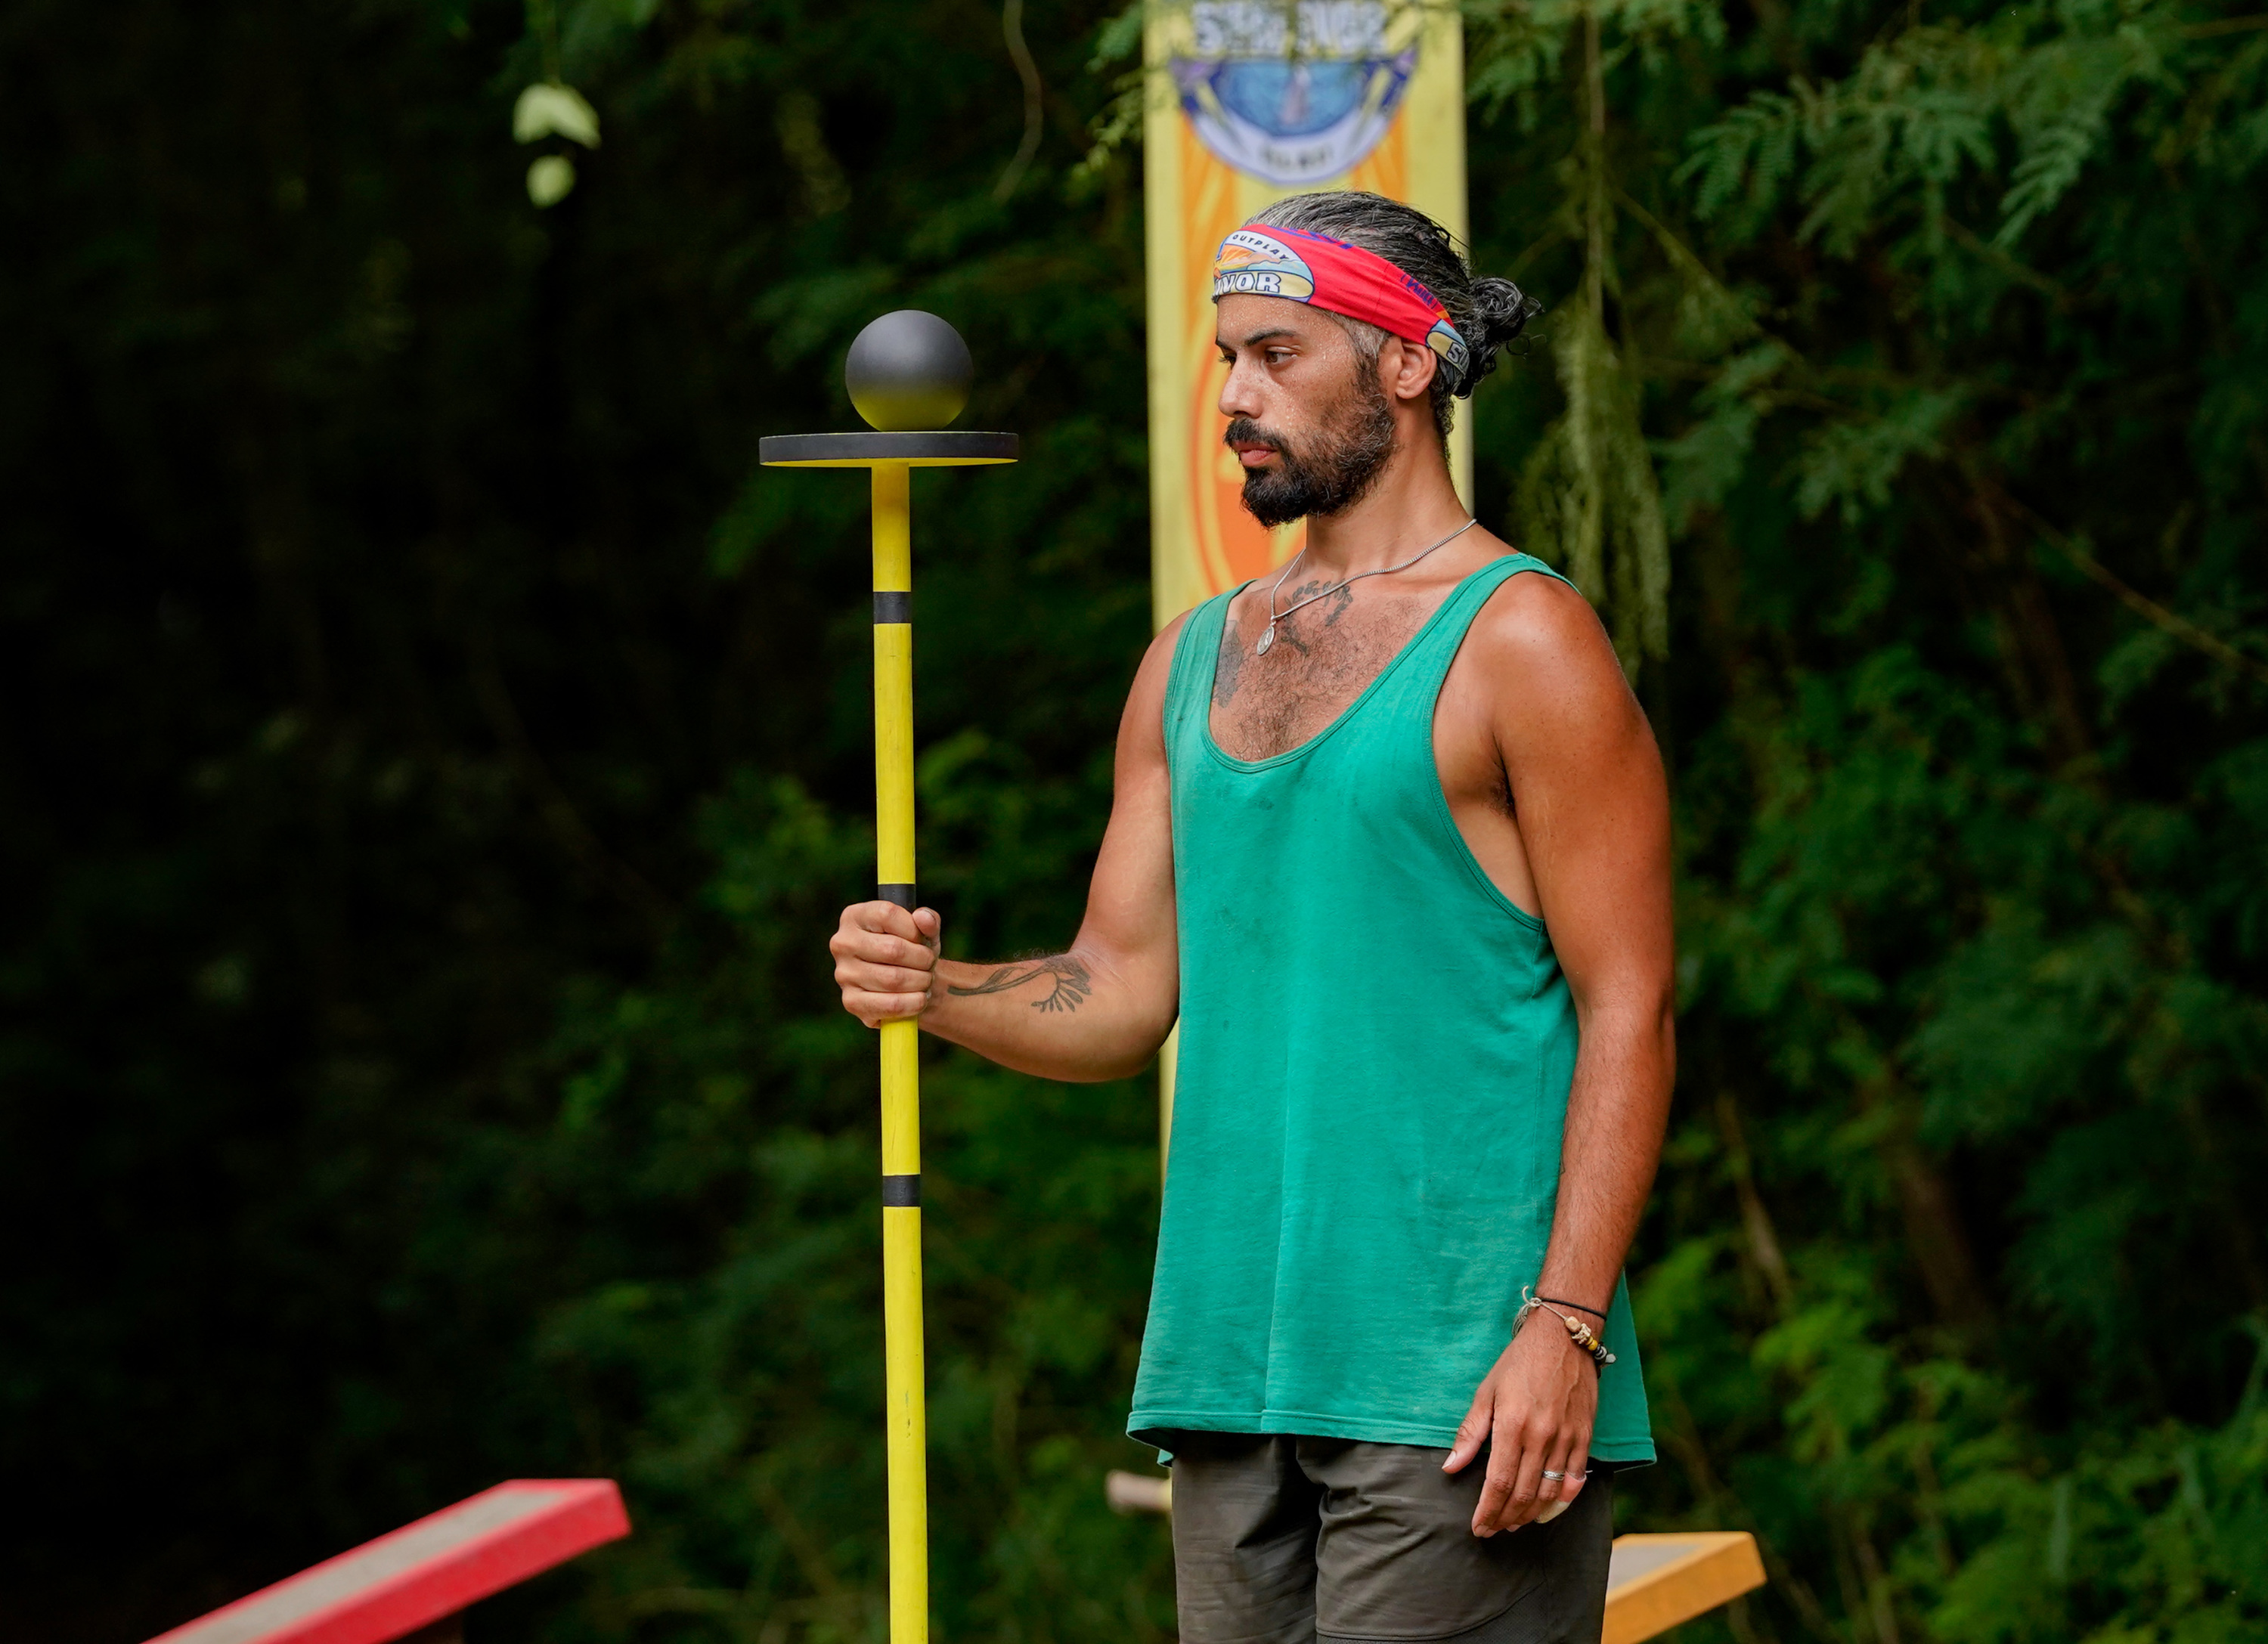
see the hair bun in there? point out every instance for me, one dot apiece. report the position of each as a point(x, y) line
point(1501, 311)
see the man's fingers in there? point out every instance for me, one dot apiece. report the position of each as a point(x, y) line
point(885, 960)
point(1571, 1451)
point(874, 1008)
point(1496, 1492)
point(866, 948)
point(1570, 1454)
point(1528, 1444)
point(1472, 1433)
point(1549, 1489)
point(875, 947)
point(1575, 1478)
point(880, 953)
point(887, 919)
point(882, 978)
point(1499, 1503)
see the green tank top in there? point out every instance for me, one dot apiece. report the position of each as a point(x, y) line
point(1375, 1050)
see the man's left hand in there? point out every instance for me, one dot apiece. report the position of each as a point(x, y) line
point(1534, 1413)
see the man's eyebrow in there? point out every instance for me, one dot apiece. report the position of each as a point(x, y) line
point(1259, 337)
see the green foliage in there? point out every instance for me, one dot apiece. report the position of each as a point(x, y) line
point(1955, 1292)
point(440, 754)
point(739, 1359)
point(1588, 487)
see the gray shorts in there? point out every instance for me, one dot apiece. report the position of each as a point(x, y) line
point(1283, 1540)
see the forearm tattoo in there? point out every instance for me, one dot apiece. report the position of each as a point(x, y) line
point(1071, 981)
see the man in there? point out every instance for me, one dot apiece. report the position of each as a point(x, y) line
point(1351, 800)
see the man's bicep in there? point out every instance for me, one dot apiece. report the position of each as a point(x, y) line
point(1589, 795)
point(1130, 902)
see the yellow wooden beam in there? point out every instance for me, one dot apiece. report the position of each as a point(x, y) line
point(1657, 1582)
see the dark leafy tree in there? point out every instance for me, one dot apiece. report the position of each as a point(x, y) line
point(437, 752)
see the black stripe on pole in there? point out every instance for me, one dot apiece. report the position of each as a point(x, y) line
point(893, 606)
point(902, 894)
point(902, 1192)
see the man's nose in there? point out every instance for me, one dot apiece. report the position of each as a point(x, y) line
point(1238, 394)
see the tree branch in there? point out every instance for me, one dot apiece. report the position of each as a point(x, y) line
point(2149, 610)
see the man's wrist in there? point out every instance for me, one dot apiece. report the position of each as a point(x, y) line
point(1570, 1327)
point(1555, 1333)
point(1560, 1302)
point(1534, 1316)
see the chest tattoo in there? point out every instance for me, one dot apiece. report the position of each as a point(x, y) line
point(1325, 655)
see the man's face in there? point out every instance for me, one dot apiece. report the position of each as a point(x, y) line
point(1307, 417)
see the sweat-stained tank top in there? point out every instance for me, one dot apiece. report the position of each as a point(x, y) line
point(1375, 1051)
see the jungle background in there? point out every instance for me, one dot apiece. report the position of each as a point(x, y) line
point(436, 753)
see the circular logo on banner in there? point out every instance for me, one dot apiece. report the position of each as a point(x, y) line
point(1292, 95)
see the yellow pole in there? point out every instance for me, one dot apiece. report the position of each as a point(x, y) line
point(894, 872)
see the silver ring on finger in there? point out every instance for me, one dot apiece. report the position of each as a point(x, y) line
point(1556, 1478)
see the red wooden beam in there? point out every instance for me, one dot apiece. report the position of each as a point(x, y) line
point(418, 1575)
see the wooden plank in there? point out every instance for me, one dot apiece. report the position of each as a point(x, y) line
point(412, 1577)
point(1138, 1493)
point(1657, 1582)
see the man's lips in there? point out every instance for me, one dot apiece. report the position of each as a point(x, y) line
point(1251, 453)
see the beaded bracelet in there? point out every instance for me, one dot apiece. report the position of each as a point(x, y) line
point(1555, 1301)
point(1578, 1331)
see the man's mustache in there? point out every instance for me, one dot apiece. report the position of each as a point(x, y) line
point(1245, 431)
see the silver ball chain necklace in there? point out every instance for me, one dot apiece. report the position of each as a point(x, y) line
point(1268, 634)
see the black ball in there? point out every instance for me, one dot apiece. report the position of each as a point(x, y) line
point(906, 371)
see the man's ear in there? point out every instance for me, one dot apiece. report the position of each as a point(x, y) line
point(1407, 368)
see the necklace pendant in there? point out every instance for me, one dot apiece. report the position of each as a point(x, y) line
point(1266, 638)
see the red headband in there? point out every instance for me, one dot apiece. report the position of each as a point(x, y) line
point(1326, 273)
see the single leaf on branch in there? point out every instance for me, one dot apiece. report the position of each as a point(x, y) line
point(546, 109)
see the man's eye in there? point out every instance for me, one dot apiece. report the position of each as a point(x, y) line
point(1277, 356)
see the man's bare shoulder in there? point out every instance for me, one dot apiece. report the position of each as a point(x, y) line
point(1535, 622)
point(1145, 701)
point(1552, 686)
point(1168, 636)
point(1158, 660)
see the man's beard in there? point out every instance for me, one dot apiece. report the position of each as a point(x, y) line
point(1346, 455)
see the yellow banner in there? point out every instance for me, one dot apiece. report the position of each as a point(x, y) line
point(1250, 101)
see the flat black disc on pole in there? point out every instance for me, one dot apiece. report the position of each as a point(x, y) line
point(938, 448)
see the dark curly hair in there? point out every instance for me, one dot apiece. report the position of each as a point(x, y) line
point(1487, 312)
